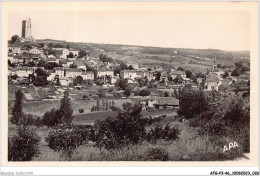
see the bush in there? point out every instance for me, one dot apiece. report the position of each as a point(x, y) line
point(50, 118)
point(24, 146)
point(66, 139)
point(81, 110)
point(144, 92)
point(127, 127)
point(85, 96)
point(114, 108)
point(156, 154)
point(26, 119)
point(167, 133)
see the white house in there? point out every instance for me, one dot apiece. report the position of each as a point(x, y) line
point(72, 72)
point(88, 75)
point(62, 52)
point(74, 52)
point(59, 71)
point(64, 81)
point(24, 71)
point(102, 72)
point(128, 74)
point(34, 51)
point(15, 49)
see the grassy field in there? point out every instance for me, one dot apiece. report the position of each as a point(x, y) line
point(40, 107)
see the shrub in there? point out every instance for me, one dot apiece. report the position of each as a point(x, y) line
point(66, 139)
point(24, 146)
point(156, 154)
point(26, 119)
point(114, 108)
point(38, 122)
point(51, 118)
point(127, 127)
point(192, 102)
point(85, 96)
point(167, 133)
point(144, 92)
point(81, 110)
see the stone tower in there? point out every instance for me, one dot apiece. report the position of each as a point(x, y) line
point(27, 29)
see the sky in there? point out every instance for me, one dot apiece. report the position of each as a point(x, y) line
point(226, 30)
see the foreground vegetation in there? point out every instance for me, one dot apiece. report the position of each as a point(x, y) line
point(217, 120)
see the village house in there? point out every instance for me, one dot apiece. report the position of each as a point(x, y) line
point(102, 72)
point(199, 81)
point(52, 60)
point(62, 52)
point(87, 75)
point(211, 83)
point(128, 74)
point(80, 65)
point(174, 74)
point(51, 74)
point(15, 49)
point(23, 72)
point(35, 51)
point(59, 71)
point(11, 71)
point(72, 72)
point(74, 52)
point(64, 81)
point(163, 102)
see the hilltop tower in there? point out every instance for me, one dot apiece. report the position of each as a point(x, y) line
point(27, 30)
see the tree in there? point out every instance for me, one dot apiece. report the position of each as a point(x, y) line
point(192, 102)
point(219, 66)
point(117, 70)
point(158, 76)
point(14, 38)
point(128, 91)
point(127, 127)
point(73, 65)
point(122, 83)
point(166, 94)
point(78, 80)
point(31, 64)
point(239, 64)
point(23, 146)
point(188, 73)
point(41, 63)
point(40, 72)
point(41, 78)
point(178, 79)
point(225, 74)
point(130, 67)
point(58, 82)
point(176, 95)
point(52, 65)
point(101, 93)
point(82, 53)
point(65, 111)
point(17, 109)
point(144, 92)
point(40, 81)
point(68, 46)
point(180, 69)
point(123, 66)
point(51, 118)
point(236, 72)
point(70, 55)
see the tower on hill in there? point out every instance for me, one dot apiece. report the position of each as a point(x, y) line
point(27, 30)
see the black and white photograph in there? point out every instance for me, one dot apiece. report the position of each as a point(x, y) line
point(118, 83)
